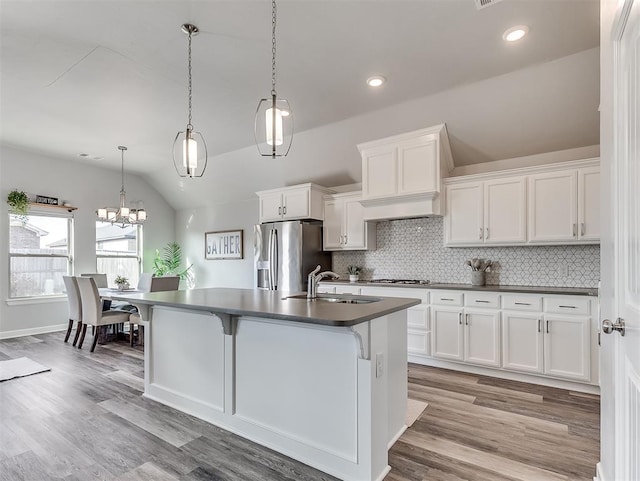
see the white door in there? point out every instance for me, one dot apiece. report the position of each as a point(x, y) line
point(553, 202)
point(482, 337)
point(589, 204)
point(447, 333)
point(295, 203)
point(505, 210)
point(620, 140)
point(354, 226)
point(332, 224)
point(567, 347)
point(522, 341)
point(271, 207)
point(463, 217)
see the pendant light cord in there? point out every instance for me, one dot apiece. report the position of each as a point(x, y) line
point(122, 169)
point(189, 126)
point(273, 47)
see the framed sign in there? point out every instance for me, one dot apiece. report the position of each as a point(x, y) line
point(223, 244)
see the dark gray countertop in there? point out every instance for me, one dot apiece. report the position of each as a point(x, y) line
point(270, 304)
point(573, 291)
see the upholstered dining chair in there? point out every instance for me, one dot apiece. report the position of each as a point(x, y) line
point(75, 308)
point(92, 313)
point(158, 284)
point(101, 281)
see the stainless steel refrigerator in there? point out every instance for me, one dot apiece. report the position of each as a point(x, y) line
point(286, 252)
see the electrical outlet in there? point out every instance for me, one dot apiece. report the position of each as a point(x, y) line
point(563, 269)
point(379, 364)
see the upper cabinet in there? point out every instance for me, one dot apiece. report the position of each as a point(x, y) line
point(489, 212)
point(344, 226)
point(401, 175)
point(537, 205)
point(304, 201)
point(564, 206)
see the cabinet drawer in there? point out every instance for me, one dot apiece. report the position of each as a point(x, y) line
point(418, 317)
point(410, 293)
point(342, 289)
point(446, 298)
point(522, 303)
point(482, 299)
point(326, 289)
point(567, 305)
point(419, 343)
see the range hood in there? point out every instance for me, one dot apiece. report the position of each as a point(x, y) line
point(402, 175)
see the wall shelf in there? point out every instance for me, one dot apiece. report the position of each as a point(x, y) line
point(68, 208)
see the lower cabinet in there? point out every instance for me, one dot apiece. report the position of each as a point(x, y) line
point(522, 342)
point(567, 347)
point(466, 335)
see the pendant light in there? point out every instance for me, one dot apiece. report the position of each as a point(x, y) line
point(123, 216)
point(189, 147)
point(274, 119)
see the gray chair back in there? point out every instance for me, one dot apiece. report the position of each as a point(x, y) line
point(101, 279)
point(159, 284)
point(73, 296)
point(90, 300)
point(144, 282)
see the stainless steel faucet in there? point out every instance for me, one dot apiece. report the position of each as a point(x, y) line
point(313, 278)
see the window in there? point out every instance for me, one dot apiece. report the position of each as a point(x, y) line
point(39, 254)
point(118, 250)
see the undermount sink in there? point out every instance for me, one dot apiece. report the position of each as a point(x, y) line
point(337, 300)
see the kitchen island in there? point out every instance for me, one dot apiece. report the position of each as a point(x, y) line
point(321, 381)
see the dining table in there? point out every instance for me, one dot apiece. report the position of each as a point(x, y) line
point(117, 332)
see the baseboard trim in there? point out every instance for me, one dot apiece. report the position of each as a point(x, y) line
point(33, 331)
point(599, 475)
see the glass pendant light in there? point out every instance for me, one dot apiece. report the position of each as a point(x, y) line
point(122, 215)
point(189, 147)
point(274, 119)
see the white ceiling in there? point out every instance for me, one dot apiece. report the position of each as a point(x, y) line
point(86, 76)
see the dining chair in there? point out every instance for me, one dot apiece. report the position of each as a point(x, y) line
point(158, 284)
point(75, 308)
point(101, 281)
point(92, 313)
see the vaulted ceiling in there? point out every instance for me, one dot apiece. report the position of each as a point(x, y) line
point(86, 76)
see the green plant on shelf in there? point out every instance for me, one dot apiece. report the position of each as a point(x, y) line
point(18, 204)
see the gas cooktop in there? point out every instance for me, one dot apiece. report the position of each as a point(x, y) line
point(399, 281)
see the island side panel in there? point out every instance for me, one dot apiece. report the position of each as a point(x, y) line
point(186, 360)
point(300, 381)
point(397, 383)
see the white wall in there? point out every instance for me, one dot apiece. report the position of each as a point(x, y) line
point(191, 224)
point(86, 187)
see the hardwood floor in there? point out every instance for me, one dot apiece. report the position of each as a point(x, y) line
point(85, 420)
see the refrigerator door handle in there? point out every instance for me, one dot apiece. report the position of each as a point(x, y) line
point(270, 253)
point(274, 260)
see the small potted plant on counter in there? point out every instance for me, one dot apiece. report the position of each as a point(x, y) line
point(122, 283)
point(354, 273)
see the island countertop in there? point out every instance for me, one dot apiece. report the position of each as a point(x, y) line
point(271, 305)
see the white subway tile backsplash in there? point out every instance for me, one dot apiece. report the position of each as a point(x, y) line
point(413, 249)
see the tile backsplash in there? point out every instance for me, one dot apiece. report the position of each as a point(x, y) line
point(413, 249)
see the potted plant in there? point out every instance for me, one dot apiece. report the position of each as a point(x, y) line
point(169, 262)
point(122, 283)
point(354, 273)
point(18, 204)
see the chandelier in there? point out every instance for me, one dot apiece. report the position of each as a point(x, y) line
point(274, 120)
point(189, 159)
point(123, 215)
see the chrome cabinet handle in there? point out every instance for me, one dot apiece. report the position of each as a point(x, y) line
point(547, 327)
point(280, 210)
point(575, 229)
point(582, 228)
point(539, 325)
point(460, 318)
point(466, 319)
point(345, 240)
point(486, 234)
point(284, 210)
point(608, 327)
point(445, 299)
point(522, 303)
point(484, 302)
point(569, 307)
point(480, 235)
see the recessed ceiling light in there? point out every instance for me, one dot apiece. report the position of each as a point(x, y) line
point(82, 154)
point(376, 81)
point(514, 34)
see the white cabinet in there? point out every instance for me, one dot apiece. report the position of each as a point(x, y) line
point(589, 204)
point(522, 348)
point(564, 206)
point(447, 333)
point(489, 212)
point(482, 337)
point(344, 226)
point(567, 347)
point(401, 175)
point(303, 201)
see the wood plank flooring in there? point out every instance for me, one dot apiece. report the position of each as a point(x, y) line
point(85, 420)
